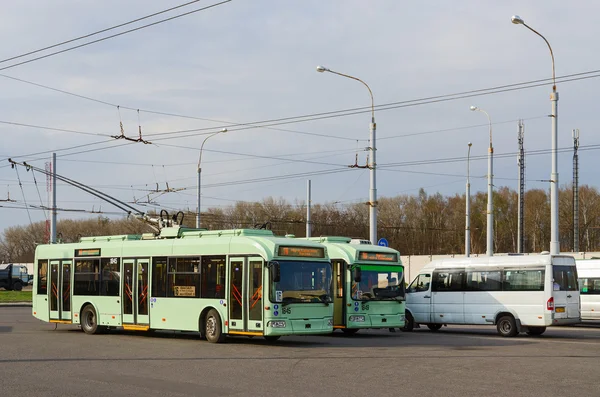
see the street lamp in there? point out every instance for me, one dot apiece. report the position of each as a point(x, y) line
point(372, 167)
point(554, 243)
point(200, 172)
point(468, 205)
point(490, 207)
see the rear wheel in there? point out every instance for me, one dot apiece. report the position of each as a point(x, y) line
point(212, 327)
point(18, 286)
point(272, 338)
point(534, 331)
point(89, 321)
point(434, 327)
point(507, 326)
point(349, 331)
point(409, 323)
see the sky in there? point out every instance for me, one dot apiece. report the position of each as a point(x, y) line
point(241, 63)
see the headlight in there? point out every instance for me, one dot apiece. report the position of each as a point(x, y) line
point(276, 324)
point(357, 319)
point(330, 322)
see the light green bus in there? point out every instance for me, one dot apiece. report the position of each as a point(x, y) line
point(227, 282)
point(368, 283)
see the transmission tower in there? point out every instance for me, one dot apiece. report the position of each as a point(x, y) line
point(575, 190)
point(521, 198)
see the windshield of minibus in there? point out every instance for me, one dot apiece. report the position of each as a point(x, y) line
point(379, 283)
point(302, 282)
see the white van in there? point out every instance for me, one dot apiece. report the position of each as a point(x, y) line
point(515, 293)
point(588, 272)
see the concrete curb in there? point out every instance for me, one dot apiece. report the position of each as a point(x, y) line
point(16, 304)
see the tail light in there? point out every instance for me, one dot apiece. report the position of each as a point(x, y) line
point(550, 303)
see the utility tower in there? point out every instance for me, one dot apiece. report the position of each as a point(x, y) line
point(575, 190)
point(521, 198)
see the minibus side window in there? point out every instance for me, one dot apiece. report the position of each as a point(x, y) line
point(449, 280)
point(420, 284)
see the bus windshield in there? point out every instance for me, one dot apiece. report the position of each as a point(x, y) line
point(379, 283)
point(303, 282)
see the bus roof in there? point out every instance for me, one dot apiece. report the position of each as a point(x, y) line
point(185, 241)
point(499, 260)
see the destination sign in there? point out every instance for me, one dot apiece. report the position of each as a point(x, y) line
point(311, 252)
point(185, 290)
point(87, 252)
point(377, 256)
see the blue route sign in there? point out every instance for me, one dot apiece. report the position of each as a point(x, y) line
point(383, 242)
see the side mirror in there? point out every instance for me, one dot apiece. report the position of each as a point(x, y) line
point(275, 272)
point(357, 274)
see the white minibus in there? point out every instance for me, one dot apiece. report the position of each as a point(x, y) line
point(588, 272)
point(515, 293)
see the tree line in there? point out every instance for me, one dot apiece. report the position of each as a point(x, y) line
point(421, 224)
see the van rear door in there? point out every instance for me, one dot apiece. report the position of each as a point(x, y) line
point(565, 290)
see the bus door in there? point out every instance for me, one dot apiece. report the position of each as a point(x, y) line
point(246, 294)
point(565, 291)
point(418, 298)
point(339, 305)
point(60, 290)
point(135, 292)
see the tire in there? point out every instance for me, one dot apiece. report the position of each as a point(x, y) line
point(536, 331)
point(409, 323)
point(349, 331)
point(507, 326)
point(434, 327)
point(212, 327)
point(272, 338)
point(89, 321)
point(18, 286)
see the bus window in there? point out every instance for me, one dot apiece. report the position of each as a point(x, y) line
point(565, 278)
point(524, 280)
point(589, 286)
point(213, 277)
point(42, 285)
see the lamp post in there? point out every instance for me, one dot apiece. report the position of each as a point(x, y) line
point(372, 167)
point(200, 173)
point(490, 207)
point(554, 243)
point(468, 205)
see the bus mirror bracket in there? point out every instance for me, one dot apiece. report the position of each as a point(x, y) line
point(357, 274)
point(275, 272)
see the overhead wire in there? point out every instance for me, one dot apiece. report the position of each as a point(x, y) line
point(114, 35)
point(97, 32)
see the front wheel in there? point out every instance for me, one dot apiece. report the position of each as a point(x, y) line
point(409, 323)
point(535, 331)
point(18, 286)
point(212, 327)
point(507, 326)
point(434, 327)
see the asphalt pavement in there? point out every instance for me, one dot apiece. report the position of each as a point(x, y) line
point(37, 359)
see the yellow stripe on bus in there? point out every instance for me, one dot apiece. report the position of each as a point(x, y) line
point(245, 333)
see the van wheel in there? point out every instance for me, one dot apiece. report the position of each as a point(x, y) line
point(434, 327)
point(349, 331)
point(212, 327)
point(507, 326)
point(18, 286)
point(89, 321)
point(409, 323)
point(535, 331)
point(272, 338)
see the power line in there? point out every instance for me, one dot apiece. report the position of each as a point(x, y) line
point(114, 35)
point(97, 32)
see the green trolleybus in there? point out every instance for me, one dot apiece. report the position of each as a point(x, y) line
point(369, 289)
point(228, 282)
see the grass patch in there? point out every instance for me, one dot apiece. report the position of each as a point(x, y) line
point(15, 296)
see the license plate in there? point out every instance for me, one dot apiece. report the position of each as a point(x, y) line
point(560, 309)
